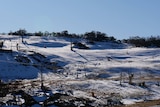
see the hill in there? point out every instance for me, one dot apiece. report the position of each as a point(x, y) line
point(105, 73)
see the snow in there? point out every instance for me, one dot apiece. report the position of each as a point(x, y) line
point(130, 101)
point(95, 70)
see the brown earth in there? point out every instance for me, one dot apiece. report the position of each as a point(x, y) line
point(155, 103)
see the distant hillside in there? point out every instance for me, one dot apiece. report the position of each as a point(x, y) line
point(153, 41)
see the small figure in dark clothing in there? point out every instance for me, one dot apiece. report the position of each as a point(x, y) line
point(17, 47)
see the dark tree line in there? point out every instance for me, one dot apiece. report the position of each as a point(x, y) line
point(21, 32)
point(90, 36)
point(93, 36)
point(98, 36)
point(153, 41)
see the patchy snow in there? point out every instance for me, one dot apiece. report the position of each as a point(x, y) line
point(130, 101)
point(96, 70)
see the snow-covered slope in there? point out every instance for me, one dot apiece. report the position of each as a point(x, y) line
point(97, 69)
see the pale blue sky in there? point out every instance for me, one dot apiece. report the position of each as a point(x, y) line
point(118, 18)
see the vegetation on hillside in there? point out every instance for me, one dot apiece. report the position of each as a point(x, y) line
point(94, 36)
point(153, 41)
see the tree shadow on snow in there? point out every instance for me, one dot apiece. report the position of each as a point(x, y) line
point(133, 70)
point(81, 55)
point(123, 69)
point(48, 44)
point(107, 45)
point(153, 53)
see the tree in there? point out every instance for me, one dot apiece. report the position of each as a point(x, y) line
point(137, 41)
point(10, 33)
point(38, 33)
point(65, 33)
point(21, 32)
point(46, 33)
point(53, 34)
point(97, 36)
point(90, 36)
point(100, 36)
point(111, 38)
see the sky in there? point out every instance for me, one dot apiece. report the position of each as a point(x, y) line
point(119, 18)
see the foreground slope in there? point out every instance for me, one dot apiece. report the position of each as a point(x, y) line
point(98, 74)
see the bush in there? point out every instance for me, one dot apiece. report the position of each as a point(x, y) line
point(80, 45)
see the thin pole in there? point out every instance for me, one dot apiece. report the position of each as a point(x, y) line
point(42, 85)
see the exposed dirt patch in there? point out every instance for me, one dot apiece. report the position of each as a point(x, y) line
point(153, 103)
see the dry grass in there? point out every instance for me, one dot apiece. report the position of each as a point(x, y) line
point(145, 104)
